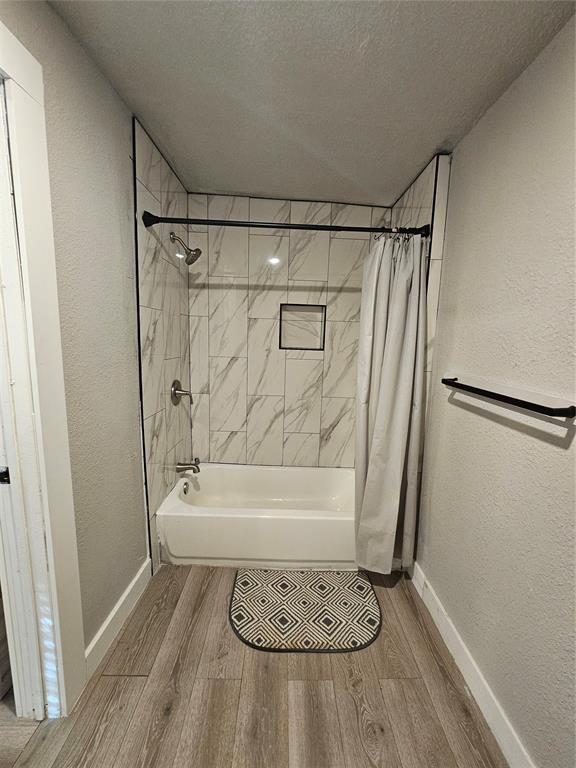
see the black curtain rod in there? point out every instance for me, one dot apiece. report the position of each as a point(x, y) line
point(149, 219)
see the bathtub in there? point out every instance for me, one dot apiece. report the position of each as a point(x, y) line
point(231, 514)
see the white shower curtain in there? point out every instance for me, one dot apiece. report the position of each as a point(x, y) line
point(390, 402)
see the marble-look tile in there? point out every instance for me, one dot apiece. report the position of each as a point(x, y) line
point(172, 311)
point(172, 371)
point(151, 265)
point(199, 370)
point(345, 278)
point(200, 414)
point(155, 438)
point(303, 212)
point(303, 395)
point(197, 209)
point(340, 359)
point(301, 450)
point(432, 298)
point(228, 393)
point(265, 360)
point(351, 216)
point(228, 447)
point(152, 359)
point(304, 354)
point(381, 217)
point(172, 336)
point(228, 207)
point(157, 486)
point(414, 208)
point(228, 303)
point(309, 255)
point(302, 334)
point(174, 200)
point(170, 475)
point(264, 429)
point(228, 246)
point(306, 292)
point(148, 162)
point(267, 210)
point(174, 197)
point(309, 313)
point(185, 416)
point(155, 553)
point(309, 249)
point(337, 432)
point(268, 275)
point(198, 276)
point(185, 351)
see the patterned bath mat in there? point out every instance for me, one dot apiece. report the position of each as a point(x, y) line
point(304, 611)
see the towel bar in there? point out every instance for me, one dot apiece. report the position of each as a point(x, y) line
point(567, 410)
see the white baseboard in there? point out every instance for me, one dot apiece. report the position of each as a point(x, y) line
point(509, 741)
point(105, 636)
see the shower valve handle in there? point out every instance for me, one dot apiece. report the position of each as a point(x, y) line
point(177, 393)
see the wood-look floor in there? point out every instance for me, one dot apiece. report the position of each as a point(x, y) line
point(179, 689)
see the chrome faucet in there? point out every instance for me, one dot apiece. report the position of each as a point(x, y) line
point(193, 467)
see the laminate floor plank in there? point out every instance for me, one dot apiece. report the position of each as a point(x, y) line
point(223, 653)
point(469, 737)
point(154, 733)
point(390, 651)
point(207, 739)
point(314, 734)
point(421, 741)
point(367, 736)
point(13, 739)
point(140, 641)
point(309, 666)
point(47, 741)
point(15, 732)
point(262, 726)
point(209, 701)
point(95, 738)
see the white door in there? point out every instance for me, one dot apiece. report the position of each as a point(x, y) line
point(23, 625)
point(38, 547)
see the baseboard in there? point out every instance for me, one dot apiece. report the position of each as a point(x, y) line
point(105, 636)
point(509, 741)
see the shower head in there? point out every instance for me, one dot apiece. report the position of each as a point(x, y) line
point(190, 255)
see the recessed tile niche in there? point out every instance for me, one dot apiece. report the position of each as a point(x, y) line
point(303, 326)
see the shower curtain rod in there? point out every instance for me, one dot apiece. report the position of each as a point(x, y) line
point(149, 219)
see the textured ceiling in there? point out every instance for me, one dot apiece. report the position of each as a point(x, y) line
point(341, 101)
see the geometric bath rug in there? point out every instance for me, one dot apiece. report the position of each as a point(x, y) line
point(304, 611)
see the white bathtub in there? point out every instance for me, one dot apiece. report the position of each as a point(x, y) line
point(260, 516)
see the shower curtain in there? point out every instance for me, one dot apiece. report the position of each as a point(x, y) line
point(390, 402)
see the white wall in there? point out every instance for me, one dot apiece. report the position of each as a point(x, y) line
point(497, 520)
point(89, 146)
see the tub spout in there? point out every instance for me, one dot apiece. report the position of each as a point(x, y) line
point(193, 467)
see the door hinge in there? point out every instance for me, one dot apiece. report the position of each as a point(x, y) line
point(4, 475)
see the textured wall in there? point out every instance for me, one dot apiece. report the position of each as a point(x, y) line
point(254, 402)
point(497, 522)
point(89, 150)
point(164, 324)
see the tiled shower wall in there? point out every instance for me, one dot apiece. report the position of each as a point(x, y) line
point(164, 324)
point(255, 403)
point(214, 326)
point(425, 202)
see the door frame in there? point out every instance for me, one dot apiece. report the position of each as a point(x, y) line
point(38, 553)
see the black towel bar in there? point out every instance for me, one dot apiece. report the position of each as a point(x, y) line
point(568, 410)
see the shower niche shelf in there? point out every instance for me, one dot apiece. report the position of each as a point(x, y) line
point(303, 326)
